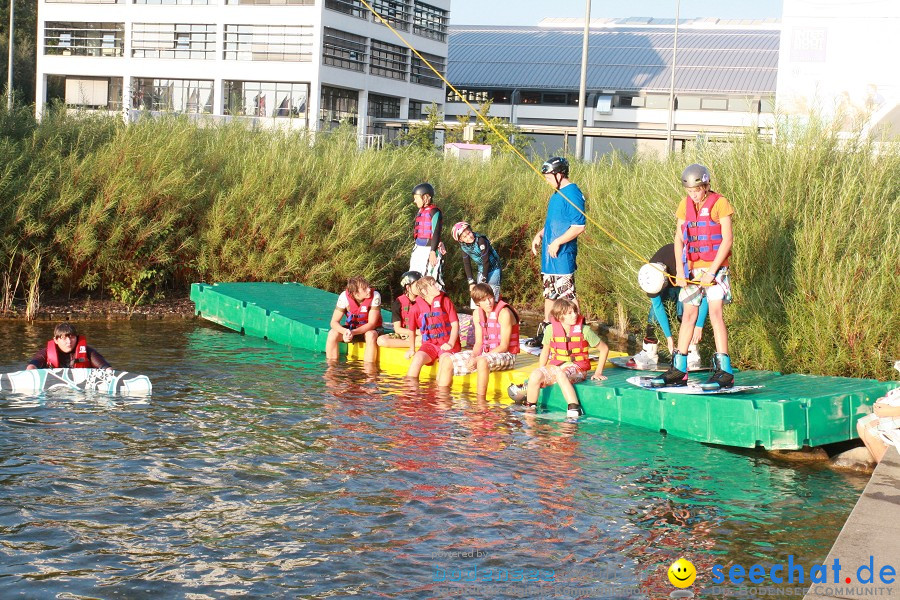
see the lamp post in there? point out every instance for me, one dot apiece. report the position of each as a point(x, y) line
point(672, 83)
point(582, 91)
point(9, 70)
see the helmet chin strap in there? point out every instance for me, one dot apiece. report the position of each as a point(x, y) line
point(557, 178)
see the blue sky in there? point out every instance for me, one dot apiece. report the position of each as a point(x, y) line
point(529, 12)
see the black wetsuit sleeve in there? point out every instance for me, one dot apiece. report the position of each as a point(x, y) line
point(437, 223)
point(396, 311)
point(666, 256)
point(97, 360)
point(39, 360)
point(484, 246)
point(467, 265)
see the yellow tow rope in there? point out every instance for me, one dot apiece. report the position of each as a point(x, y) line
point(384, 22)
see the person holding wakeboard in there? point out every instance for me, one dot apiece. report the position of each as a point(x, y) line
point(67, 350)
point(655, 278)
point(703, 240)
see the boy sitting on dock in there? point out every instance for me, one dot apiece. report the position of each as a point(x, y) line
point(362, 307)
point(496, 341)
point(437, 327)
point(400, 311)
point(564, 357)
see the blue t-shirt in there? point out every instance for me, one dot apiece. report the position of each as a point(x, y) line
point(560, 216)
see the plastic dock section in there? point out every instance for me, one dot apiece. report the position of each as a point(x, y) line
point(789, 412)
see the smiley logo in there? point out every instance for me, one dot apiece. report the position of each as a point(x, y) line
point(682, 573)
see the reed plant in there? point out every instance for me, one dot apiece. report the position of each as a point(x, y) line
point(92, 205)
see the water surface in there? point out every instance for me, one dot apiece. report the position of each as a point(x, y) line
point(255, 470)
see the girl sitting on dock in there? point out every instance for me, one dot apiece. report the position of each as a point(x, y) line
point(437, 327)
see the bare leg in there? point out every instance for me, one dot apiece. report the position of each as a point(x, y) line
point(386, 341)
point(534, 387)
point(566, 387)
point(483, 373)
point(332, 352)
point(686, 331)
point(445, 370)
point(415, 365)
point(717, 320)
point(371, 354)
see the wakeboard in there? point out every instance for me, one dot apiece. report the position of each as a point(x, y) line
point(693, 387)
point(86, 380)
point(626, 362)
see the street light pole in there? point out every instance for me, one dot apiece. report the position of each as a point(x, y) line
point(672, 83)
point(582, 91)
point(9, 71)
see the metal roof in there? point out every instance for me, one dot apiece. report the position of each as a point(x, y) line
point(720, 61)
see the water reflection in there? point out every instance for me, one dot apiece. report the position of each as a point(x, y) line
point(259, 470)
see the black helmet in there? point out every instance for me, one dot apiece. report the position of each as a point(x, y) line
point(410, 277)
point(424, 188)
point(555, 164)
point(694, 175)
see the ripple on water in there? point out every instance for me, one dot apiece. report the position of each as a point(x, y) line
point(257, 470)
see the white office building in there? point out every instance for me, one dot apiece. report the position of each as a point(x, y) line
point(289, 63)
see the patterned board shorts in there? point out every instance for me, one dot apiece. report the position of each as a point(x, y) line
point(497, 361)
point(559, 286)
point(549, 373)
point(720, 290)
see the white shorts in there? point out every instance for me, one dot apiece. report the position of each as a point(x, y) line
point(419, 262)
point(497, 361)
point(719, 291)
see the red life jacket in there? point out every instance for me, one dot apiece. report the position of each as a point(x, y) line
point(569, 348)
point(405, 305)
point(80, 358)
point(423, 231)
point(490, 329)
point(356, 316)
point(702, 235)
point(434, 322)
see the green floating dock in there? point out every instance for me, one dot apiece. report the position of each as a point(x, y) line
point(790, 412)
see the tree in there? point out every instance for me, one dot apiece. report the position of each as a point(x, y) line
point(24, 57)
point(485, 134)
point(421, 135)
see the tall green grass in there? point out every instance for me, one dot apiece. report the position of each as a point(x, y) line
point(89, 204)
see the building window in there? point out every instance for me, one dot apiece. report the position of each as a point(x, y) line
point(714, 104)
point(354, 8)
point(173, 95)
point(419, 109)
point(388, 60)
point(429, 21)
point(274, 2)
point(384, 107)
point(767, 105)
point(554, 98)
point(92, 93)
point(174, 1)
point(338, 105)
point(475, 96)
point(289, 43)
point(395, 12)
point(173, 40)
point(86, 1)
point(743, 105)
point(656, 101)
point(421, 74)
point(344, 50)
point(278, 99)
point(84, 39)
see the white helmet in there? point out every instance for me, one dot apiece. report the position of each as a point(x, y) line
point(652, 277)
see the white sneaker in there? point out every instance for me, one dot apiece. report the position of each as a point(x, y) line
point(693, 359)
point(648, 357)
point(573, 413)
